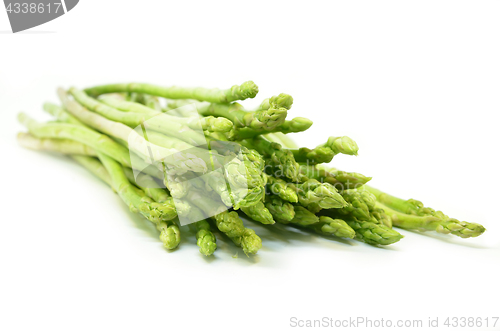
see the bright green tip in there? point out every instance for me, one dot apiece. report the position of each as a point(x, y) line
point(301, 123)
point(344, 145)
point(250, 242)
point(222, 124)
point(171, 237)
point(206, 242)
point(249, 89)
point(281, 101)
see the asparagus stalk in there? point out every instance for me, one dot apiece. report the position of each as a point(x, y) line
point(64, 146)
point(209, 123)
point(93, 139)
point(412, 215)
point(260, 120)
point(341, 145)
point(237, 172)
point(279, 162)
point(147, 100)
point(433, 223)
point(315, 196)
point(162, 123)
point(237, 92)
point(303, 216)
point(259, 213)
point(176, 187)
point(373, 231)
point(205, 239)
point(340, 179)
point(282, 100)
point(170, 235)
point(282, 211)
point(324, 153)
point(337, 227)
point(148, 185)
point(297, 124)
point(178, 161)
point(282, 139)
point(61, 115)
point(361, 203)
point(270, 114)
point(284, 190)
point(313, 156)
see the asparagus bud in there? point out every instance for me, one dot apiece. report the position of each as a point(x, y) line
point(284, 190)
point(282, 211)
point(324, 195)
point(337, 227)
point(259, 213)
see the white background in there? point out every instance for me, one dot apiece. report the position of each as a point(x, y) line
point(415, 83)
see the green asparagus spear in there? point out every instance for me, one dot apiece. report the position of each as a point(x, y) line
point(284, 190)
point(433, 223)
point(279, 162)
point(147, 100)
point(337, 227)
point(170, 235)
point(238, 173)
point(313, 156)
point(249, 241)
point(341, 145)
point(372, 232)
point(280, 101)
point(340, 179)
point(297, 124)
point(205, 239)
point(303, 216)
point(149, 152)
point(282, 139)
point(315, 196)
point(259, 213)
point(148, 185)
point(210, 123)
point(176, 187)
point(324, 153)
point(64, 146)
point(361, 203)
point(89, 137)
point(260, 120)
point(282, 211)
point(61, 115)
point(236, 92)
point(411, 214)
point(162, 123)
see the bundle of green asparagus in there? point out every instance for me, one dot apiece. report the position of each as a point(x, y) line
point(194, 156)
